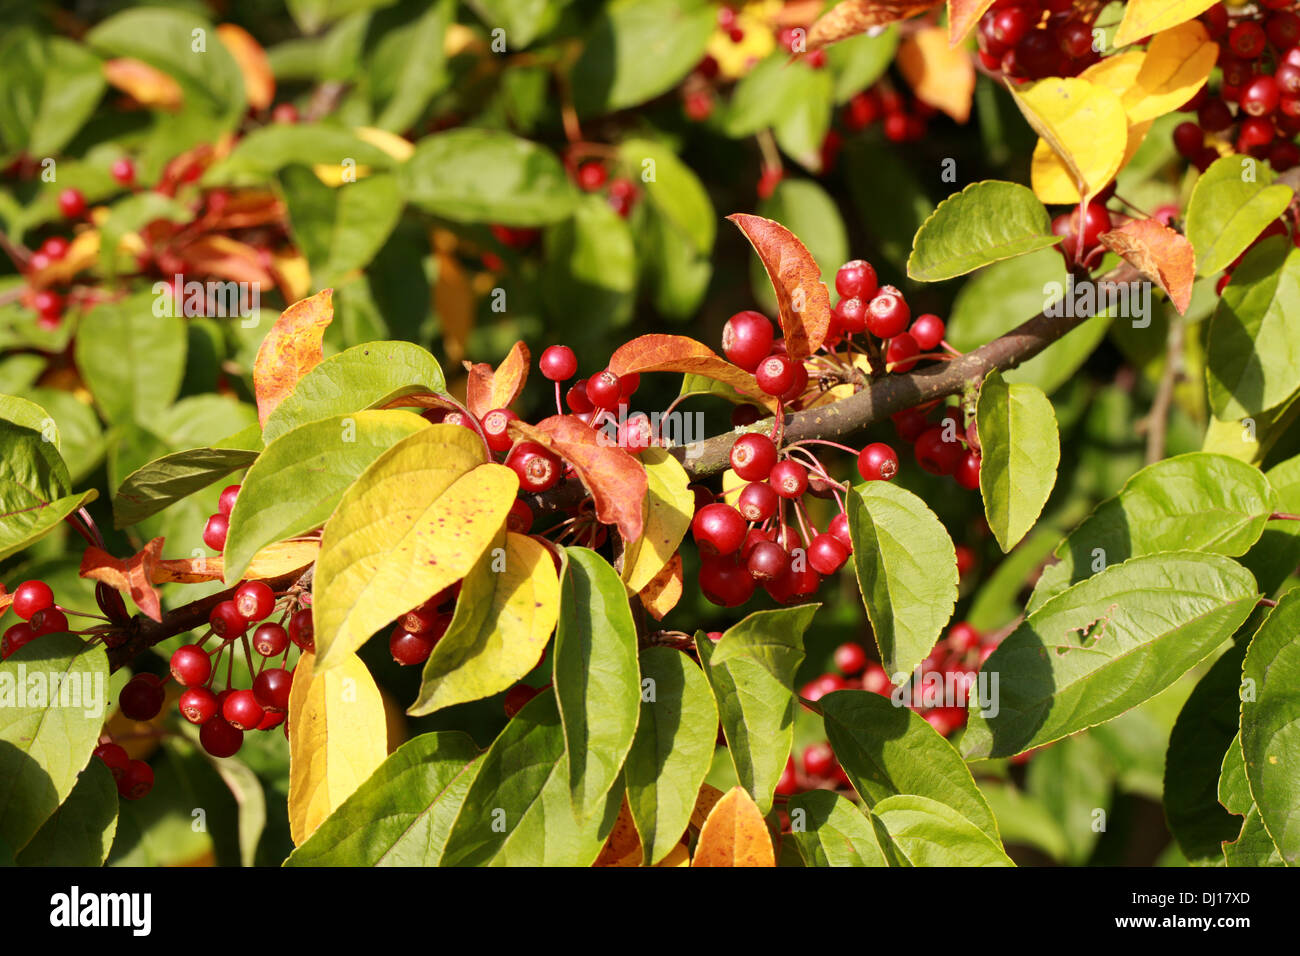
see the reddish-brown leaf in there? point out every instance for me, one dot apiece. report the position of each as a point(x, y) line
point(290, 350)
point(487, 389)
point(145, 84)
point(962, 15)
point(679, 353)
point(614, 478)
point(133, 576)
point(664, 590)
point(851, 17)
point(801, 296)
point(1159, 253)
point(226, 258)
point(254, 65)
point(734, 834)
point(5, 599)
point(271, 562)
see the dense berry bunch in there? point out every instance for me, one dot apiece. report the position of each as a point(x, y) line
point(33, 601)
point(1028, 39)
point(902, 117)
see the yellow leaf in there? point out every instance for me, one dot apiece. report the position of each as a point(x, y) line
point(414, 523)
point(1052, 181)
point(145, 84)
point(336, 174)
point(704, 803)
point(1083, 123)
point(254, 65)
point(677, 856)
point(1144, 17)
point(664, 590)
point(337, 737)
point(392, 144)
point(292, 274)
point(1177, 64)
point(669, 505)
point(939, 74)
point(507, 611)
point(734, 834)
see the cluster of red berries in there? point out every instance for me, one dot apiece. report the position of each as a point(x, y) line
point(417, 632)
point(903, 118)
point(1030, 39)
point(134, 778)
point(1259, 60)
point(34, 603)
point(218, 525)
point(592, 175)
point(867, 308)
point(944, 447)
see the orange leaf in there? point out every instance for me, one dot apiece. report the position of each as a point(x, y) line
point(244, 209)
point(290, 350)
point(226, 258)
point(942, 76)
point(259, 81)
point(453, 300)
point(5, 599)
point(734, 834)
point(705, 801)
point(612, 475)
point(623, 845)
point(664, 590)
point(851, 17)
point(678, 353)
point(680, 855)
point(272, 561)
point(801, 296)
point(134, 576)
point(488, 390)
point(143, 83)
point(962, 15)
point(1159, 253)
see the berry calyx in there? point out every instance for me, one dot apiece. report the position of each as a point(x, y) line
point(496, 428)
point(197, 705)
point(757, 502)
point(877, 462)
point(538, 468)
point(270, 640)
point(254, 600)
point(789, 479)
point(752, 456)
point(558, 363)
point(226, 621)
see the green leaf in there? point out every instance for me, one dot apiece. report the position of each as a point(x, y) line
point(674, 190)
point(1253, 847)
point(481, 175)
point(760, 97)
point(861, 60)
point(1253, 362)
point(131, 214)
point(637, 49)
point(407, 65)
point(73, 85)
point(1021, 449)
point(517, 810)
point(1276, 554)
point(1107, 644)
point(831, 831)
point(772, 639)
point(1227, 210)
point(1073, 779)
point(1206, 725)
point(1270, 722)
point(402, 814)
point(80, 832)
point(672, 751)
point(1197, 501)
point(590, 268)
point(677, 276)
point(504, 617)
point(597, 684)
point(984, 223)
point(808, 211)
point(78, 432)
point(47, 733)
point(312, 15)
point(757, 713)
point(1234, 786)
point(250, 802)
point(522, 20)
point(1023, 820)
point(801, 128)
point(929, 833)
point(887, 749)
point(340, 229)
point(34, 486)
point(907, 571)
point(150, 489)
point(265, 151)
point(132, 359)
point(361, 377)
point(296, 483)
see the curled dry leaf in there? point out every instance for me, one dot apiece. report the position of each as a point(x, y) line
point(614, 478)
point(217, 255)
point(664, 590)
point(254, 65)
point(801, 296)
point(940, 75)
point(962, 15)
point(145, 84)
point(271, 562)
point(135, 575)
point(734, 834)
point(680, 353)
point(851, 17)
point(1159, 253)
point(290, 350)
point(487, 389)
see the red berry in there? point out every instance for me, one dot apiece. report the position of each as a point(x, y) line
point(409, 649)
point(271, 688)
point(226, 621)
point(56, 247)
point(214, 532)
point(1256, 131)
point(302, 630)
point(767, 561)
point(1283, 29)
point(910, 423)
point(757, 501)
point(788, 783)
point(190, 665)
point(928, 331)
point(287, 114)
point(1075, 39)
point(776, 374)
point(636, 433)
point(604, 390)
point(850, 658)
point(270, 640)
point(1096, 221)
point(219, 738)
point(1188, 139)
point(968, 471)
point(1215, 20)
point(592, 175)
point(226, 503)
point(136, 781)
point(747, 339)
point(47, 303)
point(818, 760)
point(1260, 97)
point(496, 425)
point(840, 528)
point(962, 638)
point(877, 462)
point(718, 529)
point(856, 279)
point(30, 597)
point(115, 758)
point(577, 400)
point(242, 711)
point(141, 698)
point(724, 581)
point(123, 170)
point(851, 315)
point(935, 455)
point(1247, 40)
point(628, 384)
point(888, 314)
point(752, 456)
point(15, 637)
point(49, 621)
point(901, 354)
point(819, 687)
point(520, 518)
point(966, 560)
point(538, 468)
point(797, 388)
point(72, 203)
point(516, 697)
point(789, 479)
point(558, 363)
point(826, 554)
point(254, 600)
point(875, 680)
point(198, 705)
